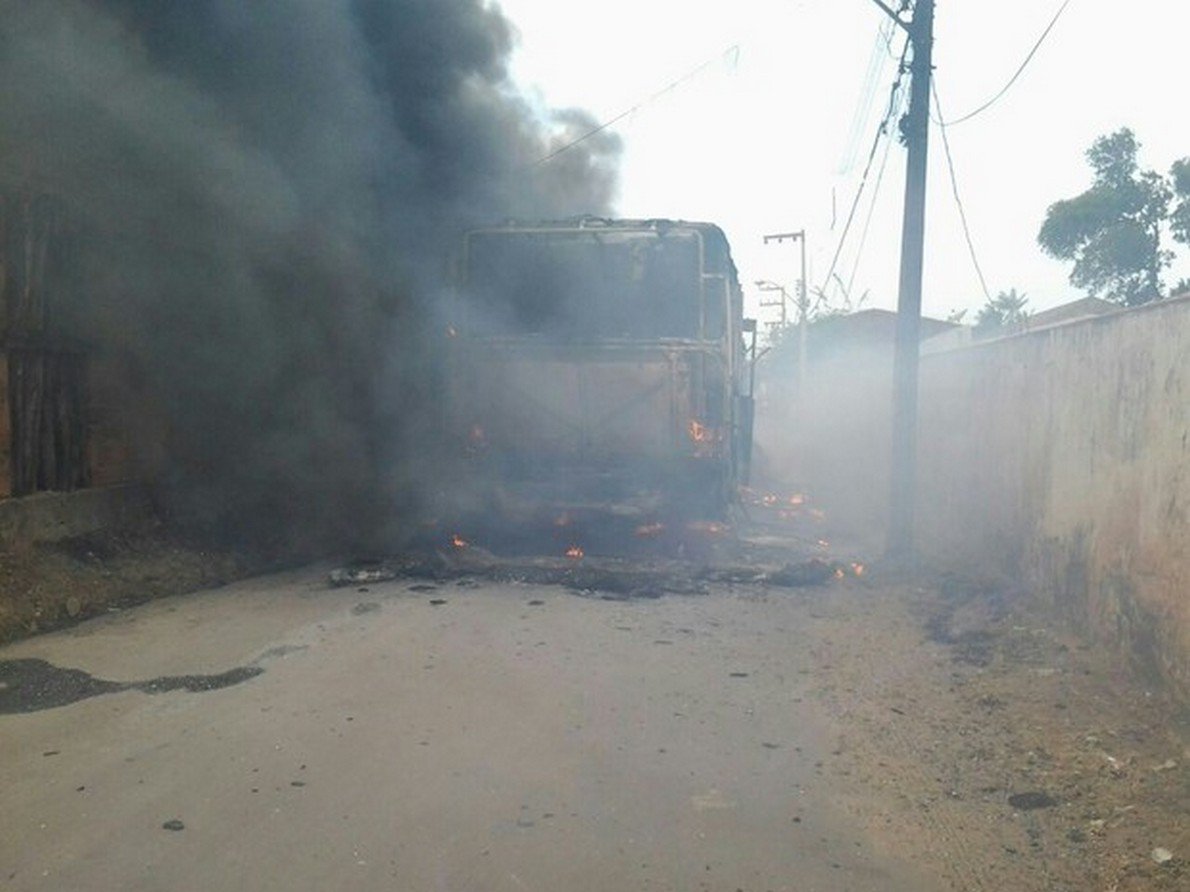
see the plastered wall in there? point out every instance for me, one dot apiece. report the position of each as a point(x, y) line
point(1064, 455)
point(1060, 456)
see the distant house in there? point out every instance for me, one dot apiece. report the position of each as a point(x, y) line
point(867, 332)
point(1076, 310)
point(1084, 308)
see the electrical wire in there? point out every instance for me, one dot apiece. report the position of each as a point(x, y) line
point(954, 185)
point(732, 52)
point(863, 237)
point(1012, 80)
point(862, 116)
point(882, 132)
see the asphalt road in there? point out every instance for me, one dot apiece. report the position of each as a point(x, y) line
point(464, 737)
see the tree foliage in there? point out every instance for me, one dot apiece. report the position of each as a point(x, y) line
point(1179, 220)
point(1001, 313)
point(1113, 231)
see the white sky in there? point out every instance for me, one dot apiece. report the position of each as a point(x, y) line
point(758, 143)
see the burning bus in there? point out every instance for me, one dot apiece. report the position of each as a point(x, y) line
point(600, 362)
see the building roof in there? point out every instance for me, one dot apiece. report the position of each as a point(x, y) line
point(864, 330)
point(1076, 309)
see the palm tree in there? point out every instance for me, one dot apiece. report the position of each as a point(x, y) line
point(1004, 311)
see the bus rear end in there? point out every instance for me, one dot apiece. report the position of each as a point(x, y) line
point(595, 364)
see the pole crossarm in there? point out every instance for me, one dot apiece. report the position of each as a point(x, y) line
point(782, 236)
point(892, 15)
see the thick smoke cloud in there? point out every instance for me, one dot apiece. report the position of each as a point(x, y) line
point(261, 198)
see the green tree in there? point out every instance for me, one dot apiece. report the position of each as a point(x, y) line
point(1113, 231)
point(1001, 313)
point(1179, 220)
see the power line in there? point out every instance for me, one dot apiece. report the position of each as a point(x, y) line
point(881, 132)
point(1016, 75)
point(732, 51)
point(954, 185)
point(863, 237)
point(861, 118)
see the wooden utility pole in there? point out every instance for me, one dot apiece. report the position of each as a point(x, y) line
point(916, 130)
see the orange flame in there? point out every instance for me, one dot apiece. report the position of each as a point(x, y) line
point(797, 499)
point(707, 440)
point(649, 530)
point(858, 569)
point(575, 552)
point(458, 541)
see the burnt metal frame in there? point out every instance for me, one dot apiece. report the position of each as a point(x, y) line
point(719, 350)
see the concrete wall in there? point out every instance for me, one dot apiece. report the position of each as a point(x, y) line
point(5, 432)
point(1060, 456)
point(1064, 455)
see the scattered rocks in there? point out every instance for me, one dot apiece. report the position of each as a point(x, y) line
point(1161, 856)
point(365, 607)
point(173, 824)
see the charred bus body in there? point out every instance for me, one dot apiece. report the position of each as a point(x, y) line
point(595, 362)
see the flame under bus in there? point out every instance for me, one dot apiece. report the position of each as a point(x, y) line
point(601, 362)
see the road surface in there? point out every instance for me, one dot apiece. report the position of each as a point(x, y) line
point(456, 737)
point(866, 734)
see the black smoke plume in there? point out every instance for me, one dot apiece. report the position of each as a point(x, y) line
point(260, 200)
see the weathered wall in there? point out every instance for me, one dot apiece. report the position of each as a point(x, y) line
point(1060, 456)
point(1065, 454)
point(5, 432)
point(110, 434)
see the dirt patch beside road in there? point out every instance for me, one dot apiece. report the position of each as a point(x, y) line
point(48, 585)
point(1004, 753)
